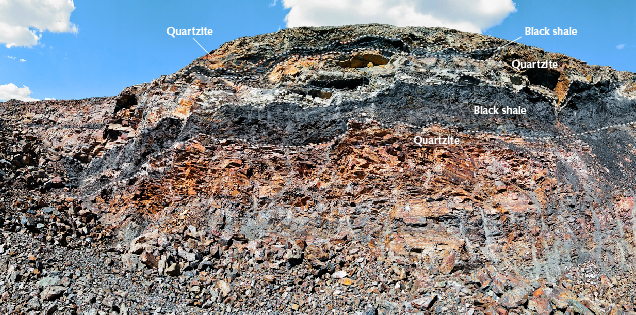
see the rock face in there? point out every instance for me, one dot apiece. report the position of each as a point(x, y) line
point(280, 173)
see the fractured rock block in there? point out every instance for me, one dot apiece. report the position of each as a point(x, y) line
point(52, 292)
point(424, 303)
point(130, 261)
point(512, 202)
point(149, 260)
point(514, 297)
point(449, 262)
point(427, 242)
point(224, 287)
point(186, 255)
point(417, 211)
point(540, 305)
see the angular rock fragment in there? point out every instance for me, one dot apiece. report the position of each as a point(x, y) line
point(540, 305)
point(130, 261)
point(514, 297)
point(149, 260)
point(49, 281)
point(424, 303)
point(52, 292)
point(339, 274)
point(224, 287)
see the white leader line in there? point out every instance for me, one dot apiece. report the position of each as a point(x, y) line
point(509, 43)
point(202, 48)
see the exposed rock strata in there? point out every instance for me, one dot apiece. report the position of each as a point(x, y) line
point(279, 173)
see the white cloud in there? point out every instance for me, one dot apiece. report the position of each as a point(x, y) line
point(23, 21)
point(22, 60)
point(466, 15)
point(11, 91)
point(11, 57)
point(49, 99)
point(273, 4)
point(621, 46)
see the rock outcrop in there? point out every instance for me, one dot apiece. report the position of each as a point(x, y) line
point(279, 173)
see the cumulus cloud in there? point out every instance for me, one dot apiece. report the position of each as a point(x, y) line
point(11, 91)
point(466, 15)
point(22, 60)
point(11, 57)
point(23, 21)
point(621, 46)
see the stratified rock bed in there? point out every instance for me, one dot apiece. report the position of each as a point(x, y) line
point(279, 175)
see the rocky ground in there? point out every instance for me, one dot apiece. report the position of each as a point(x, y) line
point(279, 175)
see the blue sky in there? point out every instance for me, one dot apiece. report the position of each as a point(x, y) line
point(121, 43)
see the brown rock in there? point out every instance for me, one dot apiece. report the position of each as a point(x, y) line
point(215, 251)
point(230, 163)
point(511, 202)
point(290, 70)
point(615, 310)
point(425, 242)
point(449, 262)
point(358, 63)
point(149, 260)
point(344, 64)
point(376, 58)
point(313, 252)
point(483, 278)
point(605, 281)
point(136, 248)
point(366, 59)
point(540, 305)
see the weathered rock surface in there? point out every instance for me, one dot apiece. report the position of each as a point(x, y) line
point(279, 174)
